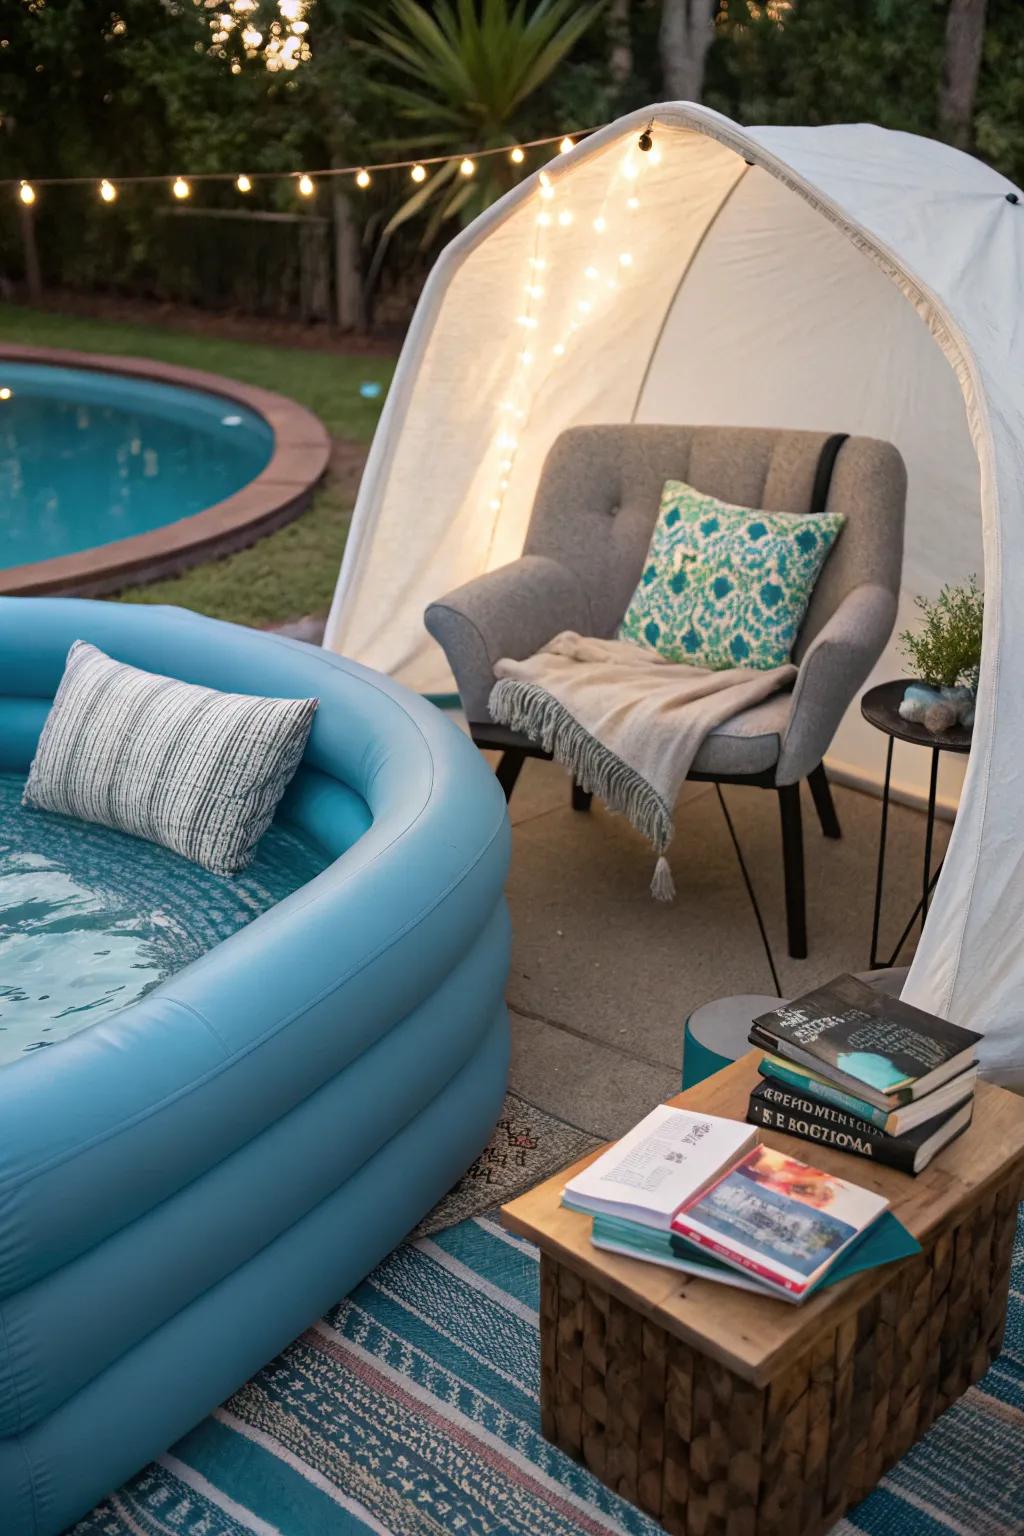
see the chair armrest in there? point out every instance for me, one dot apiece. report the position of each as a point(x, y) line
point(512, 611)
point(837, 662)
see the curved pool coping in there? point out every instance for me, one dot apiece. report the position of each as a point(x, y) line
point(277, 494)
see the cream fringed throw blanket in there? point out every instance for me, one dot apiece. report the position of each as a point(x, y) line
point(625, 722)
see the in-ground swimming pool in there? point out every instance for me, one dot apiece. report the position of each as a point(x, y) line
point(88, 457)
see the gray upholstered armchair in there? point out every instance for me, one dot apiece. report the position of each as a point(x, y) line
point(592, 520)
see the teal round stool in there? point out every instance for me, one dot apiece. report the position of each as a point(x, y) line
point(716, 1034)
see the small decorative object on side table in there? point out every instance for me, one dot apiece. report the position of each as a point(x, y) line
point(880, 706)
point(721, 1412)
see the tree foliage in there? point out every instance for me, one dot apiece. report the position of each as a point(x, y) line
point(90, 90)
point(461, 76)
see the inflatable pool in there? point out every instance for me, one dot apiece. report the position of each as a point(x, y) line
point(189, 1178)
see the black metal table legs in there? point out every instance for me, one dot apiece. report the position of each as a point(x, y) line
point(928, 878)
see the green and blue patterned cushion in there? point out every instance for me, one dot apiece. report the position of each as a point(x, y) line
point(726, 586)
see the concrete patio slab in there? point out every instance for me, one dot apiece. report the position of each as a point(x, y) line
point(603, 976)
point(602, 1090)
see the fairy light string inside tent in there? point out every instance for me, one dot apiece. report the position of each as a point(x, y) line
point(181, 186)
point(546, 340)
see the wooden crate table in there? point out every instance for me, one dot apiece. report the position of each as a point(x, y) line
point(721, 1413)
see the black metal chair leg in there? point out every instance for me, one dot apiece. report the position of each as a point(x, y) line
point(793, 869)
point(822, 795)
point(508, 770)
point(580, 798)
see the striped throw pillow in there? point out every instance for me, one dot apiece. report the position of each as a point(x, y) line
point(199, 771)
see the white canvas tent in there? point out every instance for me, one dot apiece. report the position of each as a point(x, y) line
point(844, 278)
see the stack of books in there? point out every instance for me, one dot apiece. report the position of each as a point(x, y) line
point(847, 1067)
point(698, 1193)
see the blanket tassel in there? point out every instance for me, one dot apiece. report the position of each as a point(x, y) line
point(662, 885)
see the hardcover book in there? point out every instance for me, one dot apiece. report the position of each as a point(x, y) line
point(660, 1163)
point(811, 1085)
point(777, 1108)
point(873, 1046)
point(884, 1243)
point(779, 1219)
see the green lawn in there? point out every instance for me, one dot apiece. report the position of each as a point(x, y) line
point(290, 572)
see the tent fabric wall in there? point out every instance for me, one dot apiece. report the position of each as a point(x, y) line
point(778, 276)
point(839, 349)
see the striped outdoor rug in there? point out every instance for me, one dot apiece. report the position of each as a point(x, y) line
point(411, 1410)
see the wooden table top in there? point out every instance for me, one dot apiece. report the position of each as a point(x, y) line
point(757, 1336)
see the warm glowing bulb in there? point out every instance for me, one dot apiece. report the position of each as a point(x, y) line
point(591, 272)
point(559, 348)
point(108, 191)
point(181, 188)
point(517, 156)
point(625, 260)
point(306, 188)
point(565, 218)
point(27, 193)
point(543, 219)
point(506, 465)
point(243, 183)
point(418, 172)
point(631, 170)
point(528, 320)
point(5, 393)
point(495, 504)
point(600, 224)
point(362, 179)
point(566, 145)
point(467, 167)
point(585, 305)
point(655, 156)
point(538, 263)
point(526, 358)
point(534, 290)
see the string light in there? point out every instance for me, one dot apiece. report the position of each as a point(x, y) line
point(598, 291)
point(108, 191)
point(5, 393)
point(306, 187)
point(231, 20)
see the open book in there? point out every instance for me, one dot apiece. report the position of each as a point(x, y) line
point(661, 1163)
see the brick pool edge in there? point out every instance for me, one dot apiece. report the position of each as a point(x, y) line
point(274, 497)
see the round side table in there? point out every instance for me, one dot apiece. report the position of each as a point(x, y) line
point(880, 708)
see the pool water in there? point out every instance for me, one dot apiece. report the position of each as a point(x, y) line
point(91, 919)
point(89, 457)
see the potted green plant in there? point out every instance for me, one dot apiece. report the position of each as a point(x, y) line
point(945, 654)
